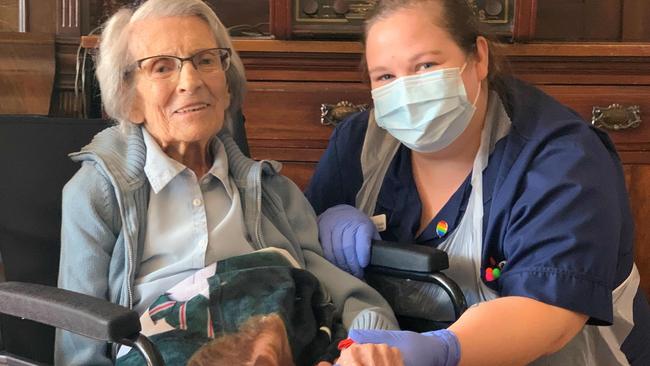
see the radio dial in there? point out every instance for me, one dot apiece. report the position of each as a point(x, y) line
point(493, 7)
point(310, 7)
point(341, 7)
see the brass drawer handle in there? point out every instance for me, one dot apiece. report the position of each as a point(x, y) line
point(332, 114)
point(616, 117)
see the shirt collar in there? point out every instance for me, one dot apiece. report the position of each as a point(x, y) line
point(159, 167)
point(162, 169)
point(219, 167)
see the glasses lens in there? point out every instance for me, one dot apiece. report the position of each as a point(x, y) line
point(160, 67)
point(208, 61)
point(212, 60)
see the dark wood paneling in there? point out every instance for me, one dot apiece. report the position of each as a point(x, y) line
point(26, 72)
point(525, 20)
point(566, 20)
point(636, 26)
point(230, 12)
point(280, 18)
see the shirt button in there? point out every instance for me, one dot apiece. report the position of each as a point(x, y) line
point(196, 202)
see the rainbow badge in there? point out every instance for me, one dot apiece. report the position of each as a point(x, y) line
point(441, 228)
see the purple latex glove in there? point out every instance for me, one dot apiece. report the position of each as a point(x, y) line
point(437, 348)
point(345, 234)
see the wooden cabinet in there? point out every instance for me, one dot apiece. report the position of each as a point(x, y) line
point(288, 81)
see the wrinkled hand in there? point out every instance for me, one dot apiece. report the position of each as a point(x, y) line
point(345, 234)
point(438, 348)
point(370, 355)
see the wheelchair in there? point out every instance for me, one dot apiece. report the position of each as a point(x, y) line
point(33, 155)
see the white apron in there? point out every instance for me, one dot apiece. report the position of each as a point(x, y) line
point(594, 345)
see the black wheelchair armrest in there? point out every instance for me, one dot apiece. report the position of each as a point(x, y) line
point(418, 263)
point(78, 313)
point(408, 257)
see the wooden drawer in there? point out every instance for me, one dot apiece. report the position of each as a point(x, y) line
point(283, 118)
point(287, 114)
point(283, 121)
point(583, 98)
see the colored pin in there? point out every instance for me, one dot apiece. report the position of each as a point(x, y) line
point(441, 228)
point(492, 274)
point(489, 274)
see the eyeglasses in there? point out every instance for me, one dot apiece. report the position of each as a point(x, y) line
point(206, 62)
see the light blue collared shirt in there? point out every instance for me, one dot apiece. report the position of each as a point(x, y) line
point(187, 217)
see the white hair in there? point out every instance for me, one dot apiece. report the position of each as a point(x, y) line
point(115, 62)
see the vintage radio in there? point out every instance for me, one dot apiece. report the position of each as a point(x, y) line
point(508, 19)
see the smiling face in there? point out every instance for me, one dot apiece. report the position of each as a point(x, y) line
point(185, 109)
point(410, 41)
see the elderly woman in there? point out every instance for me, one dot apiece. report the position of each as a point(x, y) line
point(168, 192)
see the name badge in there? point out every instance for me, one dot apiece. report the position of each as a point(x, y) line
point(380, 222)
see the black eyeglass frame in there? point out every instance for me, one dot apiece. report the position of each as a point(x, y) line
point(190, 58)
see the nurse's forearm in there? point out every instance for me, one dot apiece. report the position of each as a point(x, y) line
point(514, 331)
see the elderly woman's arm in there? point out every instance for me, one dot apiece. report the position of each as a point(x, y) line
point(87, 241)
point(359, 305)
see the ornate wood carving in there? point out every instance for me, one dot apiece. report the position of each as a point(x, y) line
point(65, 102)
point(68, 18)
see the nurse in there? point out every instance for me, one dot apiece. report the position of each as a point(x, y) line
point(527, 199)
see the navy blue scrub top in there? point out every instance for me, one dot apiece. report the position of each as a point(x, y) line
point(556, 210)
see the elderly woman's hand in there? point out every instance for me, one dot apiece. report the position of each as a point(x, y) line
point(370, 355)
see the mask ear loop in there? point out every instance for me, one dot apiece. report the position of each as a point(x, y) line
point(478, 92)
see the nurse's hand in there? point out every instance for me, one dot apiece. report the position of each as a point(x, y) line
point(438, 348)
point(345, 234)
point(370, 355)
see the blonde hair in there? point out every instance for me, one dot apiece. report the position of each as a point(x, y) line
point(115, 63)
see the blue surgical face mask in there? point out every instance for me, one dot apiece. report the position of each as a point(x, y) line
point(426, 112)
